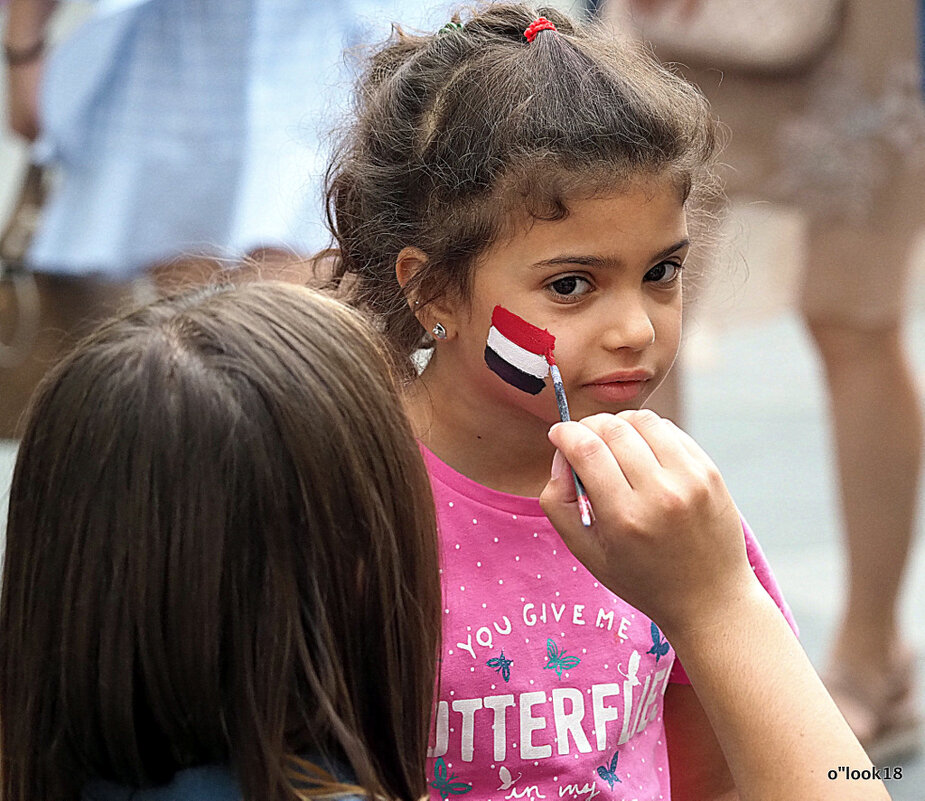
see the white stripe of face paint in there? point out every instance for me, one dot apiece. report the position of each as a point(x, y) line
point(525, 361)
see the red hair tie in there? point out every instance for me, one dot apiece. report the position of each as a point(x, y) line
point(539, 24)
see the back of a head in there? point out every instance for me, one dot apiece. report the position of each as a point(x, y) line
point(220, 549)
point(463, 134)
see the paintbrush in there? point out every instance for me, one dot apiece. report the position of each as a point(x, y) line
point(522, 355)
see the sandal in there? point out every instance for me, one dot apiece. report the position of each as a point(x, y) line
point(885, 719)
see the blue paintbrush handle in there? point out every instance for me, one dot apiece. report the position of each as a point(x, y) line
point(584, 505)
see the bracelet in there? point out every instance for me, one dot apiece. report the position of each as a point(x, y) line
point(17, 57)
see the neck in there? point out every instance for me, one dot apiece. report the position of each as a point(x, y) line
point(489, 445)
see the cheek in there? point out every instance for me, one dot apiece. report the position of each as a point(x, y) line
point(666, 320)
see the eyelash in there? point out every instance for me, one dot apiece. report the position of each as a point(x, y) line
point(563, 296)
point(677, 266)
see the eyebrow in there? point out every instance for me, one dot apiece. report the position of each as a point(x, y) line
point(597, 261)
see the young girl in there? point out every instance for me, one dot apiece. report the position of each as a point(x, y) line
point(516, 159)
point(204, 532)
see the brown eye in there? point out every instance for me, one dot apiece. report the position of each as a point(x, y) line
point(665, 273)
point(570, 286)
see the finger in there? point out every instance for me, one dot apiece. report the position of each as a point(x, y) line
point(559, 498)
point(662, 437)
point(561, 474)
point(564, 516)
point(691, 446)
point(590, 457)
point(629, 448)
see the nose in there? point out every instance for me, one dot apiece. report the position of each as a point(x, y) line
point(630, 326)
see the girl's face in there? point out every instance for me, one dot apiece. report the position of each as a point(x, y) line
point(606, 281)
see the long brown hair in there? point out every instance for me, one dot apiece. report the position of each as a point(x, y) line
point(221, 549)
point(460, 134)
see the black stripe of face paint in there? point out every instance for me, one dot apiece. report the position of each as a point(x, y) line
point(516, 378)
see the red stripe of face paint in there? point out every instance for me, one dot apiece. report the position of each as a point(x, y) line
point(519, 331)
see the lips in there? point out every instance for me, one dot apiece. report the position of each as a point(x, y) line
point(624, 376)
point(619, 387)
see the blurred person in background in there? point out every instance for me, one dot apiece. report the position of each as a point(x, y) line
point(828, 119)
point(176, 130)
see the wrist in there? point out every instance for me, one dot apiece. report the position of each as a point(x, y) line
point(20, 56)
point(711, 618)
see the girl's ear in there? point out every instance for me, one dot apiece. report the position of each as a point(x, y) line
point(440, 310)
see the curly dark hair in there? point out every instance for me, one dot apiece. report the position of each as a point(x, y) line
point(459, 134)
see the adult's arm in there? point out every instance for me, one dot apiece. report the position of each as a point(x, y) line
point(667, 538)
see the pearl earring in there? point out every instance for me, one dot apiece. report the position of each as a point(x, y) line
point(438, 331)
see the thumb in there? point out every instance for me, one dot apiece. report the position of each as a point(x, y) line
point(560, 475)
point(559, 498)
point(560, 489)
point(559, 501)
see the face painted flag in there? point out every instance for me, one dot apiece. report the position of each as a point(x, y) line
point(518, 352)
point(522, 355)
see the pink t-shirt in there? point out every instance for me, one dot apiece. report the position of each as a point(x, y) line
point(551, 686)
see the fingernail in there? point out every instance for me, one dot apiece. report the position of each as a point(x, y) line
point(560, 467)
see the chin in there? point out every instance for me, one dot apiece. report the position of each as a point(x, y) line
point(580, 412)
